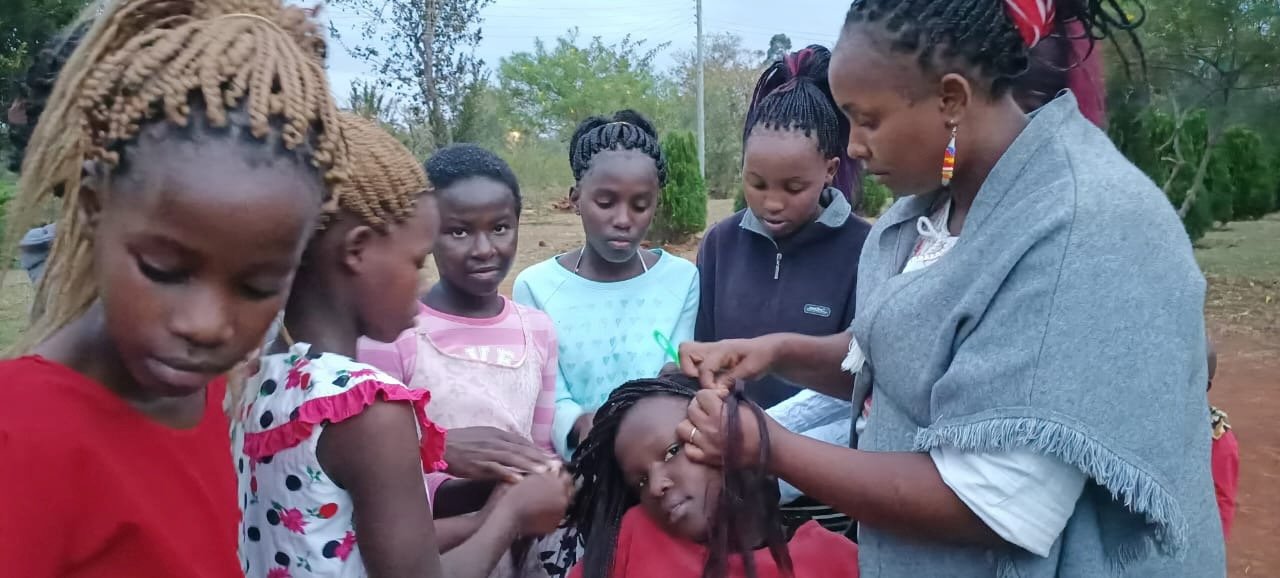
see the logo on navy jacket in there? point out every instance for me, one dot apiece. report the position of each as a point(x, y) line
point(818, 310)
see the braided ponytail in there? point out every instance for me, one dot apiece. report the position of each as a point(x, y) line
point(188, 64)
point(793, 94)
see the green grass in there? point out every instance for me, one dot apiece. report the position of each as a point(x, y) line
point(1243, 249)
point(8, 188)
point(15, 303)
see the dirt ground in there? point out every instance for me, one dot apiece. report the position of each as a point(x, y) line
point(1245, 387)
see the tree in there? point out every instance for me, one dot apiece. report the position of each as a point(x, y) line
point(730, 75)
point(1245, 167)
point(26, 26)
point(779, 46)
point(425, 48)
point(1205, 53)
point(550, 90)
point(682, 210)
point(480, 118)
point(368, 100)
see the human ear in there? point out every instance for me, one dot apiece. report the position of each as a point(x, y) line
point(575, 195)
point(355, 246)
point(833, 165)
point(92, 195)
point(954, 96)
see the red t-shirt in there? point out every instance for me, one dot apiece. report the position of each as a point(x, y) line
point(1225, 463)
point(92, 487)
point(645, 551)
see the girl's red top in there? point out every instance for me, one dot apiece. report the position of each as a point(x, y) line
point(90, 486)
point(645, 551)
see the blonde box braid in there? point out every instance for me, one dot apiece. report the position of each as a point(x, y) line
point(146, 61)
point(386, 179)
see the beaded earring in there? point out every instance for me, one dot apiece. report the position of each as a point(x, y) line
point(949, 158)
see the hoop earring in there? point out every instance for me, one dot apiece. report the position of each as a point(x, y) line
point(949, 158)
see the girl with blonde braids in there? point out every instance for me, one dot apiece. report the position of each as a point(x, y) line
point(196, 143)
point(333, 452)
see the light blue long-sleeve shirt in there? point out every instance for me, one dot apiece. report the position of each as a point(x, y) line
point(605, 330)
point(813, 415)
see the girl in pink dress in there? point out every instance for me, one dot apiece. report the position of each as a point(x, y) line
point(489, 363)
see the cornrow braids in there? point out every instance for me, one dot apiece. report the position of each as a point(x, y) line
point(625, 130)
point(459, 162)
point(386, 178)
point(793, 94)
point(245, 67)
point(748, 498)
point(979, 33)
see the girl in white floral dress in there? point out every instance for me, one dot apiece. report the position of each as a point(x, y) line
point(318, 436)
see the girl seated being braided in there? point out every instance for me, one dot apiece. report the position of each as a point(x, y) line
point(644, 509)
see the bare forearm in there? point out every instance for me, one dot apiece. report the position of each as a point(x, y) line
point(453, 532)
point(477, 556)
point(814, 363)
point(900, 493)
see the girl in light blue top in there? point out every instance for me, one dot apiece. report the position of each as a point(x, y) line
point(609, 297)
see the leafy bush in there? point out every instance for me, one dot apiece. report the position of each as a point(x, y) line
point(1252, 188)
point(8, 188)
point(682, 210)
point(875, 197)
point(1275, 176)
point(1146, 139)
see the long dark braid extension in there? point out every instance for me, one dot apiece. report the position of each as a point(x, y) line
point(747, 499)
point(603, 496)
point(624, 130)
point(793, 93)
point(979, 33)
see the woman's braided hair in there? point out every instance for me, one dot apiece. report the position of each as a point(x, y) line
point(252, 67)
point(980, 33)
point(386, 178)
point(625, 130)
point(748, 498)
point(793, 94)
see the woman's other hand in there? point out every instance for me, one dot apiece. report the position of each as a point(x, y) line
point(720, 364)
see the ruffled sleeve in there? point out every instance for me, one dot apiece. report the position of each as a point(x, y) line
point(323, 389)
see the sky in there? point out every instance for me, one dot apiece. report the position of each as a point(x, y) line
point(513, 25)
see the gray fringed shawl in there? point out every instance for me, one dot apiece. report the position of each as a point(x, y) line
point(1068, 320)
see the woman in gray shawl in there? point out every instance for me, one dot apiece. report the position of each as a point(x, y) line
point(1029, 338)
